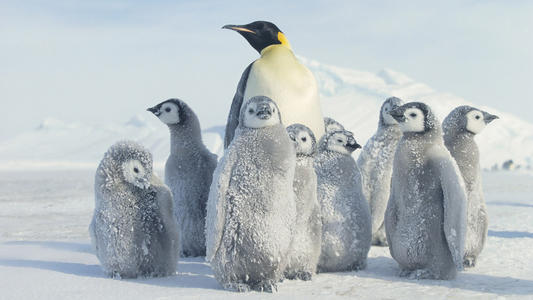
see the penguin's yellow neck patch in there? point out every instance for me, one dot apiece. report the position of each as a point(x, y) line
point(283, 40)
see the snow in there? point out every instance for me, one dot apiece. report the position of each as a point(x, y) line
point(45, 251)
point(351, 97)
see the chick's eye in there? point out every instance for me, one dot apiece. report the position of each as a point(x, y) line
point(136, 170)
point(413, 115)
point(251, 111)
point(478, 117)
point(340, 141)
point(304, 139)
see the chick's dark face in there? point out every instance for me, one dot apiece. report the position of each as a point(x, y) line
point(260, 34)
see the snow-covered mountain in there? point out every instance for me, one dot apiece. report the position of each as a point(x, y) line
point(352, 97)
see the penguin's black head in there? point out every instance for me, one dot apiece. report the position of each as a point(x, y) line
point(261, 34)
point(414, 117)
point(170, 111)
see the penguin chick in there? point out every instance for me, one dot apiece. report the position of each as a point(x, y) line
point(331, 125)
point(375, 163)
point(346, 224)
point(460, 127)
point(278, 75)
point(133, 229)
point(307, 230)
point(251, 209)
point(188, 172)
point(426, 213)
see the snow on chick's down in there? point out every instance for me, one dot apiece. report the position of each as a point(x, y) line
point(307, 230)
point(133, 230)
point(188, 172)
point(426, 214)
point(346, 231)
point(460, 127)
point(375, 163)
point(251, 207)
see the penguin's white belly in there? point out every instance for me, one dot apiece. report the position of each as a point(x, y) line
point(292, 86)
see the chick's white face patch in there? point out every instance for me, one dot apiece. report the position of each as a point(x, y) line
point(414, 120)
point(475, 122)
point(304, 143)
point(387, 118)
point(135, 174)
point(337, 142)
point(170, 113)
point(254, 117)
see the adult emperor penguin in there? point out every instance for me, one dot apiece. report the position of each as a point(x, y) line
point(426, 214)
point(188, 172)
point(460, 127)
point(346, 224)
point(307, 230)
point(133, 230)
point(251, 209)
point(278, 75)
point(375, 163)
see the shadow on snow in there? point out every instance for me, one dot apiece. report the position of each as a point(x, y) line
point(511, 234)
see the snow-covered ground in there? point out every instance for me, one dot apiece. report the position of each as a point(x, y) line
point(45, 251)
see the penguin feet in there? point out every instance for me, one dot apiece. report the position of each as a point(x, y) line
point(418, 274)
point(469, 262)
point(303, 275)
point(380, 240)
point(238, 287)
point(268, 286)
point(358, 266)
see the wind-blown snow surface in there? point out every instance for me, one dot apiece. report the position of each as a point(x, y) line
point(350, 96)
point(45, 252)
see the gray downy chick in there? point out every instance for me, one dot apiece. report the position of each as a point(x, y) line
point(346, 224)
point(188, 172)
point(251, 209)
point(426, 214)
point(375, 163)
point(307, 230)
point(133, 229)
point(460, 127)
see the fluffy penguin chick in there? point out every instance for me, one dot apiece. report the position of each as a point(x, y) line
point(133, 230)
point(346, 224)
point(460, 128)
point(251, 208)
point(331, 125)
point(375, 163)
point(188, 172)
point(307, 230)
point(426, 213)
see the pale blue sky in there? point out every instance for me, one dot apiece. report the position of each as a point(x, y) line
point(104, 61)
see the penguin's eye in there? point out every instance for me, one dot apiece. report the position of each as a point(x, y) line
point(136, 170)
point(304, 139)
point(413, 115)
point(251, 111)
point(478, 117)
point(340, 141)
point(168, 109)
point(273, 110)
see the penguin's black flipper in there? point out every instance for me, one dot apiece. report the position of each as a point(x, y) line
point(233, 117)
